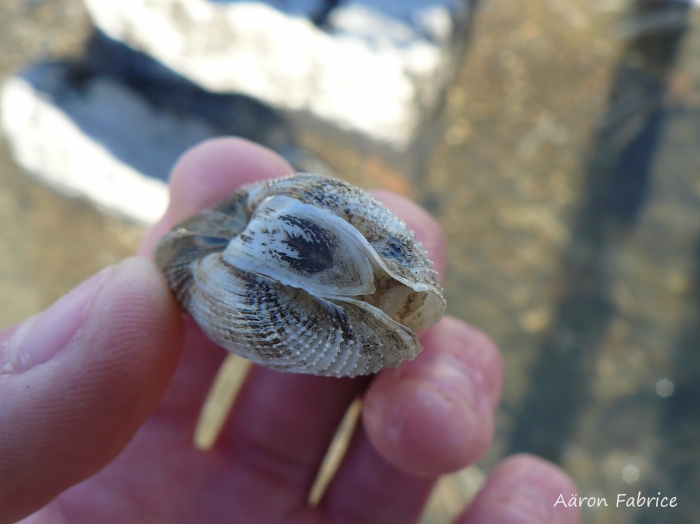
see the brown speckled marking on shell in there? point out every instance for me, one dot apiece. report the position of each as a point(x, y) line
point(304, 274)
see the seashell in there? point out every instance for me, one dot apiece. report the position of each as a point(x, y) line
point(306, 274)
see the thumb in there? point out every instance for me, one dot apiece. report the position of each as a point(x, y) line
point(77, 381)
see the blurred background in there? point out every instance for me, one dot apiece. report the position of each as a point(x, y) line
point(556, 141)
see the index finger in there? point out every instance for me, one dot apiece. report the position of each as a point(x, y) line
point(210, 172)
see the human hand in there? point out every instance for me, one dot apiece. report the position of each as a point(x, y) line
point(100, 394)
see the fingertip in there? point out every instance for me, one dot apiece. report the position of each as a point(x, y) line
point(208, 173)
point(474, 349)
point(523, 489)
point(423, 224)
point(435, 414)
point(212, 170)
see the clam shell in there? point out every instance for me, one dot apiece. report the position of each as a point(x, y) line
point(306, 274)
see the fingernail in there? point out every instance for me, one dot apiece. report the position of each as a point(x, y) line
point(42, 336)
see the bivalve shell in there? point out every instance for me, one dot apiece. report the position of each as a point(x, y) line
point(306, 274)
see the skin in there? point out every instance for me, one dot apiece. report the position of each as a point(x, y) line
point(99, 396)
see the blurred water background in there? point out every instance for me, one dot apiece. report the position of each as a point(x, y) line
point(564, 167)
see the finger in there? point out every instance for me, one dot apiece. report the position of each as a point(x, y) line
point(369, 489)
point(79, 379)
point(427, 417)
point(523, 489)
point(277, 436)
point(208, 173)
point(435, 414)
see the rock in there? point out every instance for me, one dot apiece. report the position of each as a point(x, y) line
point(111, 127)
point(84, 143)
point(378, 67)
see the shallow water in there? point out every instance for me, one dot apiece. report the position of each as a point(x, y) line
point(565, 171)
